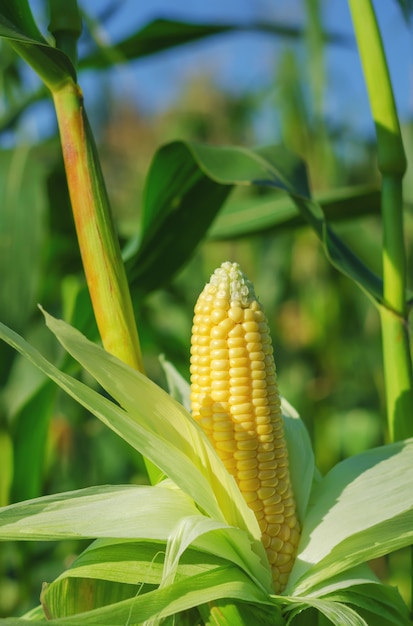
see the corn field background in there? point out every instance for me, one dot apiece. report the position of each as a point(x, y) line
point(326, 333)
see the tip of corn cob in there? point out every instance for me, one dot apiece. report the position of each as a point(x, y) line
point(234, 397)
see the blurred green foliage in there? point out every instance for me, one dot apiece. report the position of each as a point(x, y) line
point(326, 333)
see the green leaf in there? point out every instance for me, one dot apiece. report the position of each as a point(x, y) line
point(30, 438)
point(22, 177)
point(18, 26)
point(163, 34)
point(165, 432)
point(362, 509)
point(179, 203)
point(134, 561)
point(128, 511)
point(6, 466)
point(177, 214)
point(244, 217)
point(221, 582)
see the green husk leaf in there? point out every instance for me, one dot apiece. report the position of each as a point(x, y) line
point(192, 462)
point(346, 523)
point(128, 511)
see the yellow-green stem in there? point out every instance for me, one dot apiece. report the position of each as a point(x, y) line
point(99, 247)
point(398, 374)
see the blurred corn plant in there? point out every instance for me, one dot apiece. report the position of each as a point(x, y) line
point(187, 548)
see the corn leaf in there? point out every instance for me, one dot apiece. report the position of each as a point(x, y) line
point(176, 183)
point(131, 561)
point(163, 34)
point(244, 217)
point(18, 26)
point(128, 511)
point(347, 522)
point(191, 460)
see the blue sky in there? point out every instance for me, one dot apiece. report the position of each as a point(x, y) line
point(245, 62)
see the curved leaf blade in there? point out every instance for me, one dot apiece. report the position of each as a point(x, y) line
point(347, 522)
point(19, 28)
point(163, 34)
point(253, 216)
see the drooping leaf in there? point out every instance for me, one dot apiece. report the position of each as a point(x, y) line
point(162, 251)
point(128, 511)
point(182, 450)
point(362, 509)
point(163, 34)
point(179, 204)
point(18, 26)
point(253, 216)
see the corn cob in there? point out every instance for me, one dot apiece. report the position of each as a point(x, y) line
point(234, 397)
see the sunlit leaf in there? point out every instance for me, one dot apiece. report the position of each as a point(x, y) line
point(175, 190)
point(129, 511)
point(362, 509)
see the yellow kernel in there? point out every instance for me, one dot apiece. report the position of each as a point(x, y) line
point(251, 484)
point(258, 374)
point(288, 548)
point(262, 411)
point(219, 396)
point(239, 391)
point(276, 543)
point(226, 446)
point(246, 464)
point(235, 353)
point(241, 434)
point(237, 331)
point(251, 327)
point(268, 502)
point(220, 364)
point(266, 540)
point(236, 342)
point(224, 435)
point(248, 444)
point(275, 519)
point(265, 493)
point(285, 532)
point(221, 303)
point(220, 375)
point(264, 429)
point(274, 529)
point(220, 353)
point(242, 361)
point(252, 337)
point(249, 496)
point(257, 356)
point(266, 474)
point(259, 384)
point(241, 425)
point(257, 365)
point(218, 315)
point(239, 409)
point(249, 315)
point(219, 385)
point(243, 455)
point(263, 457)
point(236, 313)
point(248, 473)
point(239, 372)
